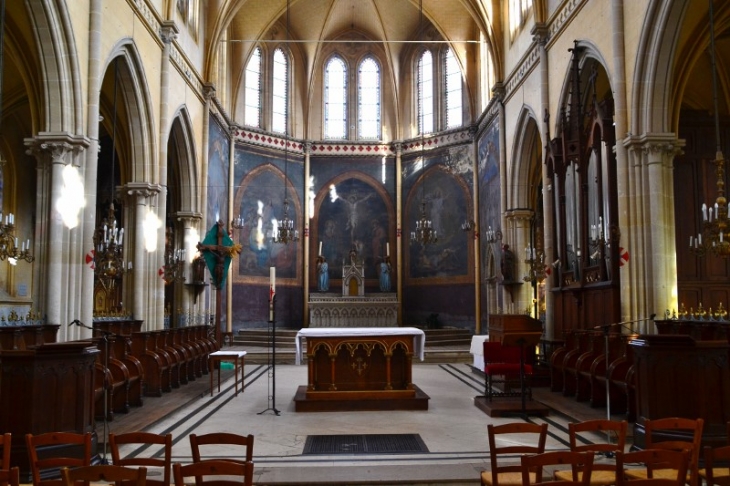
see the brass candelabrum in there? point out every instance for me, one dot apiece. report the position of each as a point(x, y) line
point(9, 249)
point(109, 251)
point(174, 268)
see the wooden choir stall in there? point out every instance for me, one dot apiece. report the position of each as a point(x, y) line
point(360, 369)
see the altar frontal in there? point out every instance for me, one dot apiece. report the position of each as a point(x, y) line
point(360, 369)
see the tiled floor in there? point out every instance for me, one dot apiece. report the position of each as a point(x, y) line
point(453, 428)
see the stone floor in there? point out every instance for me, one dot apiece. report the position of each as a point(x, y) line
point(453, 428)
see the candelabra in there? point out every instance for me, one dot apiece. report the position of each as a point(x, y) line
point(237, 222)
point(9, 242)
point(492, 236)
point(535, 260)
point(424, 234)
point(108, 255)
point(284, 231)
point(174, 268)
point(468, 225)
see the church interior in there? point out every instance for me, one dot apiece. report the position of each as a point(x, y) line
point(543, 173)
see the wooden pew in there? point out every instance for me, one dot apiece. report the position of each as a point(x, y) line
point(597, 373)
point(582, 340)
point(582, 371)
point(173, 359)
point(557, 358)
point(156, 369)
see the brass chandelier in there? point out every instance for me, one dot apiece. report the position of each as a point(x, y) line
point(713, 236)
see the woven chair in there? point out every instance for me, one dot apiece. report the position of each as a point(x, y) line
point(668, 427)
point(602, 474)
point(581, 464)
point(214, 473)
point(119, 475)
point(224, 439)
point(511, 475)
point(163, 463)
point(69, 450)
point(659, 467)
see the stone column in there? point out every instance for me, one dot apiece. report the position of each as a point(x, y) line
point(651, 241)
point(521, 225)
point(191, 232)
point(399, 226)
point(209, 94)
point(55, 252)
point(308, 203)
point(477, 229)
point(144, 271)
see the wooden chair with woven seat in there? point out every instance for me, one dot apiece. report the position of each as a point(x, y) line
point(581, 464)
point(5, 442)
point(214, 473)
point(660, 467)
point(218, 439)
point(130, 476)
point(10, 477)
point(511, 474)
point(70, 450)
point(717, 463)
point(164, 463)
point(586, 432)
point(662, 434)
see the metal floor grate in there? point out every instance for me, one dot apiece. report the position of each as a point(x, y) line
point(365, 444)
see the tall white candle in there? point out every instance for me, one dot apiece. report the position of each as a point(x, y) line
point(320, 248)
point(272, 278)
point(387, 248)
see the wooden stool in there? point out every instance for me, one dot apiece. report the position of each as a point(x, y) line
point(237, 357)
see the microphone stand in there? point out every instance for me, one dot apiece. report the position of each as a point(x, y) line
point(606, 328)
point(105, 337)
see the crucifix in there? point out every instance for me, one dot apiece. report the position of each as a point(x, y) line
point(218, 249)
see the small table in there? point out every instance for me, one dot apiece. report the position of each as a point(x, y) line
point(219, 356)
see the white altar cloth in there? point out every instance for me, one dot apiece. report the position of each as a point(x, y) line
point(419, 337)
point(477, 350)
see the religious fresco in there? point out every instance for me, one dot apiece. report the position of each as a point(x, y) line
point(447, 204)
point(218, 155)
point(259, 199)
point(353, 212)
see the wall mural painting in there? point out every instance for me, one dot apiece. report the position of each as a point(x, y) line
point(489, 208)
point(352, 213)
point(259, 199)
point(218, 155)
point(448, 204)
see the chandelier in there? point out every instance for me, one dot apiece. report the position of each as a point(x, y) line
point(424, 234)
point(108, 251)
point(714, 236)
point(173, 270)
point(109, 237)
point(9, 242)
point(284, 231)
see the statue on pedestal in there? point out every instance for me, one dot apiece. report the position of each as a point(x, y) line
point(508, 264)
point(384, 278)
point(323, 276)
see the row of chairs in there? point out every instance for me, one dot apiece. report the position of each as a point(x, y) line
point(664, 457)
point(211, 473)
point(72, 451)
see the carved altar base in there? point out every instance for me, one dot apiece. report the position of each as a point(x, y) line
point(333, 310)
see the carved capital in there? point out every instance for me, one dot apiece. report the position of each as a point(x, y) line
point(307, 146)
point(540, 33)
point(398, 148)
point(499, 91)
point(208, 91)
point(142, 190)
point(189, 218)
point(50, 148)
point(520, 214)
point(168, 31)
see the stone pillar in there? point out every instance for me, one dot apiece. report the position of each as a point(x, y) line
point(477, 229)
point(144, 272)
point(520, 227)
point(399, 226)
point(57, 252)
point(308, 207)
point(651, 241)
point(191, 228)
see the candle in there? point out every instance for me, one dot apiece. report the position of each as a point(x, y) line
point(387, 248)
point(272, 278)
point(320, 248)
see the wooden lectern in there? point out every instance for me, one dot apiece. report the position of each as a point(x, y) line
point(514, 330)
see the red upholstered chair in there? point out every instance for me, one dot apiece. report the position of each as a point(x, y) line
point(504, 362)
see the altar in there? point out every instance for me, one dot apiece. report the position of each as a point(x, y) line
point(334, 310)
point(360, 369)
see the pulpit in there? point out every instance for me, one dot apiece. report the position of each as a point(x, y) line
point(677, 376)
point(46, 388)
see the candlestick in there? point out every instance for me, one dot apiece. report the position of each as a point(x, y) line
point(387, 248)
point(272, 278)
point(320, 249)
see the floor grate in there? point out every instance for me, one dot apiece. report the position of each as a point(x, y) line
point(365, 444)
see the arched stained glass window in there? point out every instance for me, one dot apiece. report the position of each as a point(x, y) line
point(369, 99)
point(335, 99)
point(425, 93)
point(280, 93)
point(452, 86)
point(253, 90)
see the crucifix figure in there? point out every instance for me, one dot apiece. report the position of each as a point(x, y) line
point(218, 249)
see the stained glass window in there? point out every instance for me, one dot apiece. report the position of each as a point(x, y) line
point(335, 99)
point(369, 99)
